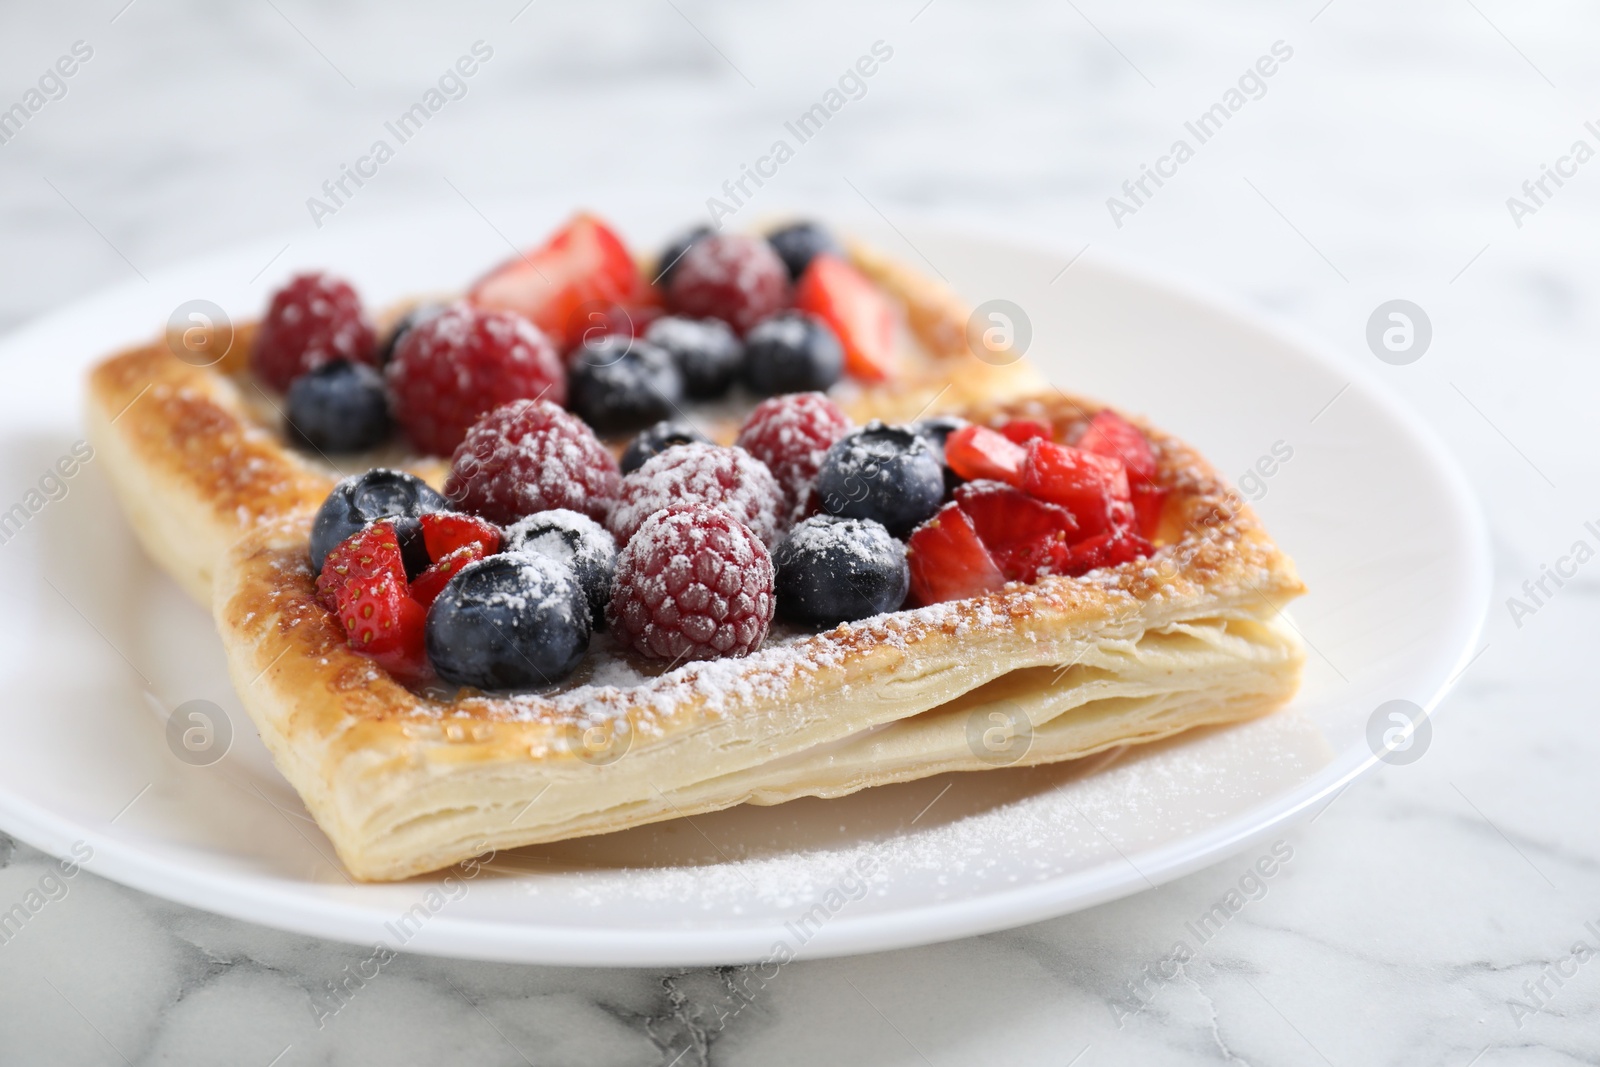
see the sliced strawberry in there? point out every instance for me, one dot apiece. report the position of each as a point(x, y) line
point(369, 553)
point(382, 621)
point(583, 268)
point(427, 586)
point(443, 532)
point(1091, 486)
point(1104, 550)
point(1017, 529)
point(947, 560)
point(1149, 499)
point(1024, 430)
point(976, 452)
point(1109, 434)
point(856, 310)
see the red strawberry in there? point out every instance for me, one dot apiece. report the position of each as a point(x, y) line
point(1093, 487)
point(382, 621)
point(583, 268)
point(443, 532)
point(1109, 434)
point(367, 554)
point(976, 452)
point(1024, 430)
point(856, 310)
point(948, 561)
point(431, 582)
point(1104, 550)
point(1149, 500)
point(1025, 536)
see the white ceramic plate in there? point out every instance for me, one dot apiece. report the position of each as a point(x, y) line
point(96, 648)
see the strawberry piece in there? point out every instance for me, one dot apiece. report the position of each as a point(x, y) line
point(443, 532)
point(1109, 434)
point(381, 620)
point(1149, 500)
point(976, 452)
point(856, 311)
point(583, 268)
point(368, 554)
point(1024, 535)
point(1024, 430)
point(1104, 550)
point(1091, 486)
point(948, 561)
point(431, 582)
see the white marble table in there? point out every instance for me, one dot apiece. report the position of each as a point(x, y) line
point(1417, 910)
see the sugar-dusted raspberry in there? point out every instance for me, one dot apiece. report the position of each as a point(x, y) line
point(733, 277)
point(791, 434)
point(314, 319)
point(447, 371)
point(730, 479)
point(693, 583)
point(528, 456)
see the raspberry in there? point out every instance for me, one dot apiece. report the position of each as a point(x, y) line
point(531, 456)
point(363, 556)
point(791, 434)
point(729, 479)
point(463, 362)
point(693, 583)
point(732, 277)
point(312, 320)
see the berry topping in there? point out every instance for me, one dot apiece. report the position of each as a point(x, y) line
point(936, 430)
point(431, 582)
point(693, 583)
point(791, 434)
point(791, 352)
point(732, 277)
point(531, 456)
point(364, 556)
point(1091, 486)
point(313, 319)
point(706, 351)
point(619, 384)
point(1109, 434)
point(798, 243)
point(729, 479)
point(449, 370)
point(1105, 550)
point(948, 561)
point(858, 313)
point(882, 472)
point(444, 532)
point(657, 439)
point(833, 570)
point(1021, 431)
point(583, 268)
point(512, 621)
point(667, 262)
point(410, 320)
point(1026, 537)
point(381, 620)
point(580, 543)
point(339, 407)
point(365, 498)
point(976, 452)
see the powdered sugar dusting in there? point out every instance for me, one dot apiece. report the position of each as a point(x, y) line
point(728, 479)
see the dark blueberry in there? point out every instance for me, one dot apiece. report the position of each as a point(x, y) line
point(936, 430)
point(576, 540)
point(380, 493)
point(792, 352)
point(617, 384)
point(882, 472)
point(514, 621)
point(797, 243)
point(707, 351)
point(833, 570)
point(657, 439)
point(674, 252)
point(339, 407)
point(415, 317)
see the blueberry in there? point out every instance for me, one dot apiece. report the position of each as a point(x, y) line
point(674, 252)
point(882, 472)
point(797, 243)
point(576, 540)
point(833, 570)
point(514, 621)
point(380, 493)
point(617, 384)
point(339, 407)
point(707, 352)
point(936, 430)
point(656, 440)
point(411, 319)
point(791, 352)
